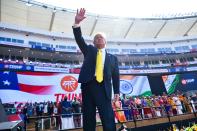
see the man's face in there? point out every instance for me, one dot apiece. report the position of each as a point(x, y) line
point(99, 41)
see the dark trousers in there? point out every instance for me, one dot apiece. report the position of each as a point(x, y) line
point(94, 95)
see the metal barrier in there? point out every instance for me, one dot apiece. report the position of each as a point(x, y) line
point(135, 115)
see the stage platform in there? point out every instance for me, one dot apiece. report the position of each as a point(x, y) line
point(154, 122)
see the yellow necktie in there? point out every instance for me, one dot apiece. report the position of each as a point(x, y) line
point(99, 67)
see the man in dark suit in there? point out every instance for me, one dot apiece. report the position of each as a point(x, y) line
point(96, 87)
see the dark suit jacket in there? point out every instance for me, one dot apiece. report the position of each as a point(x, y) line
point(111, 70)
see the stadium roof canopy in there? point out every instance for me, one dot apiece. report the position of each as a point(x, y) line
point(130, 26)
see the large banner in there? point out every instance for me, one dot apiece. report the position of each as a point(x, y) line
point(182, 82)
point(37, 86)
point(21, 67)
point(135, 85)
point(20, 86)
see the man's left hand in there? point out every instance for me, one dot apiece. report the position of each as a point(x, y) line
point(116, 97)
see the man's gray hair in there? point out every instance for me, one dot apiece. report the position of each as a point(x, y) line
point(101, 33)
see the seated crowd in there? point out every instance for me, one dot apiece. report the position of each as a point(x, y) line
point(70, 64)
point(38, 63)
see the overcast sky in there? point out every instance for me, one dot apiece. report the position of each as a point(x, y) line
point(128, 8)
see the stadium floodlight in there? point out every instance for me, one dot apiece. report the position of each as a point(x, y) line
point(44, 6)
point(54, 10)
point(28, 4)
point(64, 10)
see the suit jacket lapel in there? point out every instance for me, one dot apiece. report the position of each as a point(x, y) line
point(106, 64)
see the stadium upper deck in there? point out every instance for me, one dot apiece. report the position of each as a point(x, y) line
point(37, 33)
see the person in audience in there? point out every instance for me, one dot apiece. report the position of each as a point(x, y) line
point(138, 103)
point(135, 111)
point(131, 107)
point(119, 113)
point(25, 115)
point(178, 104)
point(54, 113)
point(50, 108)
point(187, 104)
point(167, 106)
point(148, 110)
point(180, 96)
point(173, 105)
point(98, 72)
point(59, 111)
point(45, 109)
point(76, 112)
point(194, 99)
point(157, 106)
point(161, 103)
point(39, 109)
point(145, 107)
point(66, 114)
point(125, 105)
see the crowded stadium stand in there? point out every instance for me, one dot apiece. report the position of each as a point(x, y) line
point(40, 64)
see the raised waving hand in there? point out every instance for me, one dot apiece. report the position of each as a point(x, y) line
point(80, 15)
